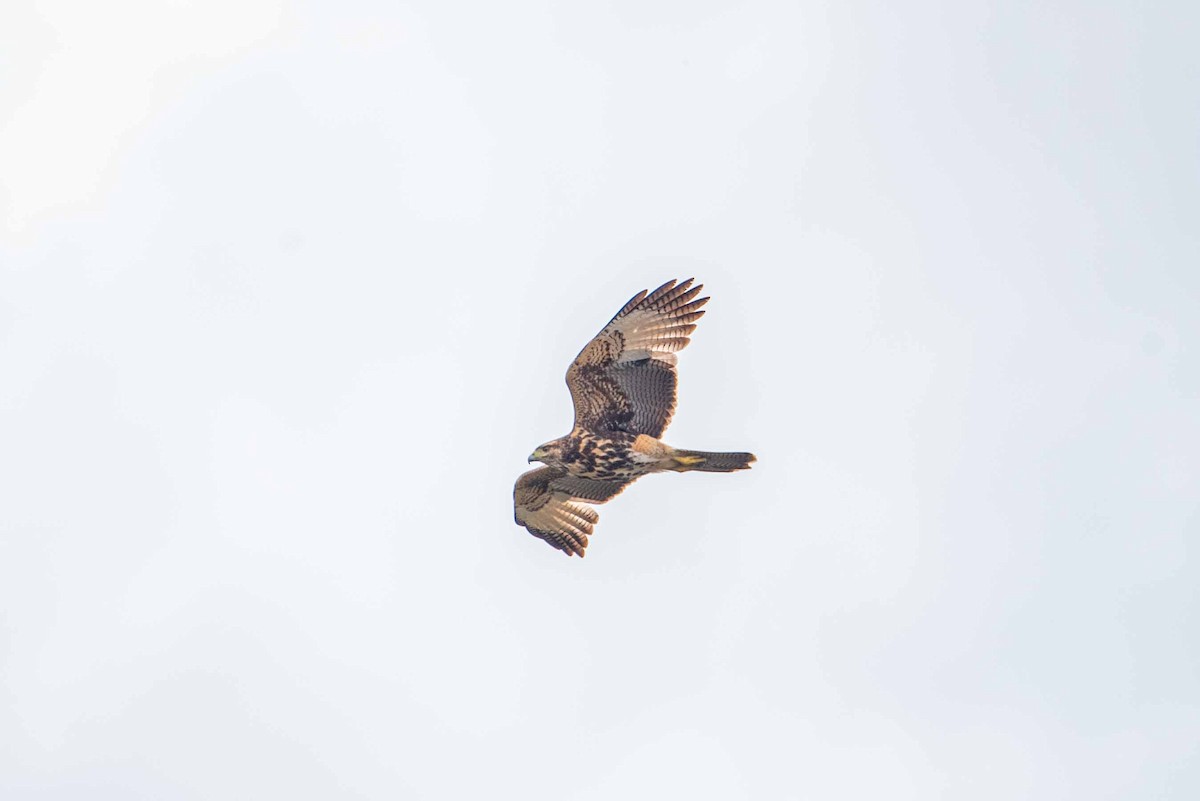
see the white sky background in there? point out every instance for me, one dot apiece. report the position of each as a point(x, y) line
point(287, 294)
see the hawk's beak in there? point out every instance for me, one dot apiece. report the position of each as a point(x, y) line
point(535, 456)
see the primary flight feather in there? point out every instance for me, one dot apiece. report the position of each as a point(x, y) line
point(623, 387)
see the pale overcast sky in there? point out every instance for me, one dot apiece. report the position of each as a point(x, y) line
point(287, 292)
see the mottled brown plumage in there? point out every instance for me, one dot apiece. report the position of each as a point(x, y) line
point(623, 385)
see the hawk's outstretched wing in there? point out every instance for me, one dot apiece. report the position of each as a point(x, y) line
point(546, 501)
point(624, 379)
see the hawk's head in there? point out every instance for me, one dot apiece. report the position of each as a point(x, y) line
point(550, 453)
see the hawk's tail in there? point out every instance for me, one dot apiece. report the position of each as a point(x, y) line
point(682, 461)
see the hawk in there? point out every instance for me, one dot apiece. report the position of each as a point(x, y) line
point(623, 387)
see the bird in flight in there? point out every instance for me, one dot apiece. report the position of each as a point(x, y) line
point(623, 387)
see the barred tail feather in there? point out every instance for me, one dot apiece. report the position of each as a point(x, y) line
point(710, 462)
